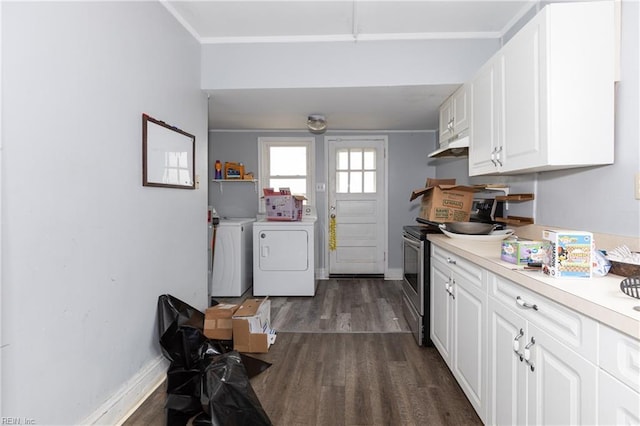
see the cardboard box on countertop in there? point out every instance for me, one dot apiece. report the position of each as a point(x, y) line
point(568, 254)
point(252, 330)
point(217, 321)
point(522, 252)
point(444, 201)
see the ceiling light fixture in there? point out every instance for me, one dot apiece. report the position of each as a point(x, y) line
point(317, 123)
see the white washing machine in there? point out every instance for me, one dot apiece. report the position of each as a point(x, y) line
point(284, 256)
point(232, 271)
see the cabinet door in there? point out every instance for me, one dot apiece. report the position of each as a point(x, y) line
point(618, 404)
point(506, 400)
point(460, 110)
point(523, 133)
point(470, 342)
point(561, 384)
point(441, 313)
point(486, 109)
point(445, 120)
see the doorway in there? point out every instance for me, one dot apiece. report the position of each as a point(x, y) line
point(357, 205)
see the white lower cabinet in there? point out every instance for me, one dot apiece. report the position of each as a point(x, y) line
point(533, 377)
point(523, 359)
point(458, 318)
point(618, 404)
point(619, 378)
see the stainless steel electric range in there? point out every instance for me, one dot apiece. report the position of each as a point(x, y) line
point(416, 280)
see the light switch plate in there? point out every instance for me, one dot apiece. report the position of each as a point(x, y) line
point(320, 187)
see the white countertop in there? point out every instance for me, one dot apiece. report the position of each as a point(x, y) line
point(599, 297)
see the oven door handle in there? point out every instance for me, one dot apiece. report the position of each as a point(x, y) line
point(411, 241)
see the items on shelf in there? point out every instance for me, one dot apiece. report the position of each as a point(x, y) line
point(218, 168)
point(233, 170)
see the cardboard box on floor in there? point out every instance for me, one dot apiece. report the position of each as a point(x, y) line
point(218, 321)
point(252, 326)
point(444, 201)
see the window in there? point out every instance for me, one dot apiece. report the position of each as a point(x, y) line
point(288, 163)
point(356, 170)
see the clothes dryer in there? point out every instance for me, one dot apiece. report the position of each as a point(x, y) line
point(284, 256)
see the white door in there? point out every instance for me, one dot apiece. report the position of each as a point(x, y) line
point(357, 205)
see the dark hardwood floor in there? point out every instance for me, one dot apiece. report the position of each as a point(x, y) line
point(345, 357)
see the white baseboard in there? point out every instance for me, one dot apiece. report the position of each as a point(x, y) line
point(321, 274)
point(131, 395)
point(394, 274)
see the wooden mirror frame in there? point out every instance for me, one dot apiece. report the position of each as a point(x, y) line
point(168, 155)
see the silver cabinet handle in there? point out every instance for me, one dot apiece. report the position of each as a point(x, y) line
point(493, 159)
point(527, 354)
point(516, 342)
point(524, 304)
point(498, 151)
point(449, 288)
point(451, 261)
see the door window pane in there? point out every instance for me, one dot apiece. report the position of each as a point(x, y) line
point(342, 162)
point(369, 182)
point(356, 159)
point(342, 182)
point(355, 184)
point(370, 159)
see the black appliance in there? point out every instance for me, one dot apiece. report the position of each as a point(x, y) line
point(416, 279)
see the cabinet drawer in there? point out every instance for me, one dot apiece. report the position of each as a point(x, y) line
point(620, 356)
point(459, 265)
point(575, 330)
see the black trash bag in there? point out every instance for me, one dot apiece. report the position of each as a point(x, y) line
point(180, 327)
point(227, 395)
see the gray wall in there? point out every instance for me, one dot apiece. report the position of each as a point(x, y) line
point(86, 249)
point(408, 170)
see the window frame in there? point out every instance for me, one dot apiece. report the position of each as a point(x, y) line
point(264, 145)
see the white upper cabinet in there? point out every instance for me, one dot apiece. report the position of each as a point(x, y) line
point(545, 101)
point(485, 135)
point(454, 115)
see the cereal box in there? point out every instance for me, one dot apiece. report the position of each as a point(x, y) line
point(568, 254)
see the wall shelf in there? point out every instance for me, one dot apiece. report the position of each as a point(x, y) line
point(220, 182)
point(515, 197)
point(515, 220)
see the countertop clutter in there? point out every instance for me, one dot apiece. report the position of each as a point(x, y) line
point(599, 297)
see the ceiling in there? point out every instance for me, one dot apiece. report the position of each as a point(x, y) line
point(358, 108)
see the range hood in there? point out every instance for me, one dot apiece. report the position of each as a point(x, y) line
point(454, 148)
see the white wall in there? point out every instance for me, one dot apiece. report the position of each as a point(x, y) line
point(86, 249)
point(363, 64)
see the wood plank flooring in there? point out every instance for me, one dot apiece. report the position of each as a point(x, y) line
point(343, 306)
point(346, 357)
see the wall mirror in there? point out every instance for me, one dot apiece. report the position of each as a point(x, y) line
point(168, 155)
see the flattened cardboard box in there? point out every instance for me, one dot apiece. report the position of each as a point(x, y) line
point(444, 201)
point(252, 330)
point(217, 321)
